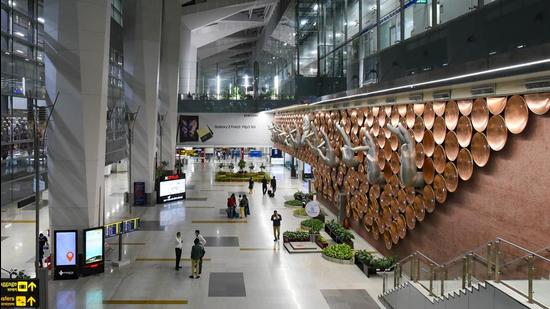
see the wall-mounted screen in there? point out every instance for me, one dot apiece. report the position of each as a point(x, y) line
point(130, 225)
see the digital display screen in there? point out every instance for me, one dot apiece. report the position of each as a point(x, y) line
point(130, 225)
point(93, 246)
point(307, 168)
point(112, 229)
point(172, 187)
point(65, 248)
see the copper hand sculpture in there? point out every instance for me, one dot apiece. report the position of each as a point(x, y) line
point(348, 152)
point(326, 152)
point(374, 175)
point(408, 174)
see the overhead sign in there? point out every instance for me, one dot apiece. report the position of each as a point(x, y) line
point(113, 229)
point(224, 129)
point(65, 266)
point(313, 209)
point(20, 293)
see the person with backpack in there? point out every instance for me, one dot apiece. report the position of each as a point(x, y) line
point(197, 253)
point(202, 242)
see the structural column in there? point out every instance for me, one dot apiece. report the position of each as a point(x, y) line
point(142, 24)
point(76, 35)
point(188, 73)
point(169, 79)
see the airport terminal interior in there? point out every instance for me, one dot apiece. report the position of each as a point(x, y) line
point(336, 154)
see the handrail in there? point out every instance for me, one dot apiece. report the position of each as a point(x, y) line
point(526, 250)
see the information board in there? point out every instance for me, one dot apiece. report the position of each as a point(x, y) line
point(20, 293)
point(65, 266)
point(113, 229)
point(171, 188)
point(130, 225)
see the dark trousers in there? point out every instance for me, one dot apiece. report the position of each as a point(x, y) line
point(264, 189)
point(178, 258)
point(40, 258)
point(200, 266)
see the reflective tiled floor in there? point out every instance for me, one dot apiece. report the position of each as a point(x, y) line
point(258, 270)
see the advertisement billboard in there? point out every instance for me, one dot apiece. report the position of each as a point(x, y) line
point(171, 188)
point(93, 251)
point(65, 251)
point(224, 129)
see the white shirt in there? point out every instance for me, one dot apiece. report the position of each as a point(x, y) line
point(179, 243)
point(201, 239)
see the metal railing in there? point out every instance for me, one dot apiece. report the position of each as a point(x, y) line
point(522, 270)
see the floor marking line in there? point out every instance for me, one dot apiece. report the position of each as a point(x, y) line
point(219, 221)
point(259, 249)
point(165, 259)
point(197, 207)
point(18, 221)
point(145, 302)
point(128, 243)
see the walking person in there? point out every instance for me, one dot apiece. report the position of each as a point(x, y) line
point(42, 242)
point(264, 185)
point(276, 218)
point(179, 246)
point(273, 185)
point(202, 242)
point(197, 252)
point(250, 185)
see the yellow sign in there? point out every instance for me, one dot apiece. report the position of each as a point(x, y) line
point(19, 293)
point(20, 301)
point(22, 286)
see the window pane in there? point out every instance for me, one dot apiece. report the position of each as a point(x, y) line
point(353, 17)
point(390, 30)
point(388, 6)
point(368, 13)
point(449, 9)
point(418, 18)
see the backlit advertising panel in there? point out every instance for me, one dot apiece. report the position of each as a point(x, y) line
point(171, 188)
point(65, 251)
point(93, 251)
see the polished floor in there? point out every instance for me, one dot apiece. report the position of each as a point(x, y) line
point(243, 268)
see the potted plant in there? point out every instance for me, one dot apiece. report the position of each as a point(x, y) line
point(363, 260)
point(339, 233)
point(251, 167)
point(321, 241)
point(262, 167)
point(221, 166)
point(289, 236)
point(231, 166)
point(313, 225)
point(241, 165)
point(338, 253)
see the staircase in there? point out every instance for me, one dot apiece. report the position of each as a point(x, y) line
point(499, 274)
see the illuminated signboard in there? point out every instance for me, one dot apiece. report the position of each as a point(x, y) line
point(171, 188)
point(65, 265)
point(93, 251)
point(130, 225)
point(113, 229)
point(20, 293)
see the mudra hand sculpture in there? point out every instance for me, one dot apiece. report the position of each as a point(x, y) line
point(325, 151)
point(408, 174)
point(348, 152)
point(374, 175)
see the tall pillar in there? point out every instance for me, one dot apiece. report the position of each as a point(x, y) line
point(76, 35)
point(142, 24)
point(188, 62)
point(169, 79)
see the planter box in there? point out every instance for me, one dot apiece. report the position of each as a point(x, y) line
point(366, 269)
point(321, 245)
point(334, 260)
point(287, 240)
point(336, 239)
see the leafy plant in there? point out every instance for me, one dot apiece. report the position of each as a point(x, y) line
point(383, 263)
point(302, 196)
point(339, 231)
point(296, 236)
point(301, 212)
point(241, 165)
point(294, 203)
point(364, 256)
point(251, 167)
point(231, 166)
point(221, 165)
point(321, 239)
point(314, 224)
point(262, 167)
point(339, 251)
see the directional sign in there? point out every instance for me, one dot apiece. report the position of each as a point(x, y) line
point(20, 293)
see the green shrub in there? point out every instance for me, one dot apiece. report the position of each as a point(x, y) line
point(294, 203)
point(340, 232)
point(296, 236)
point(314, 224)
point(241, 164)
point(339, 251)
point(321, 239)
point(301, 212)
point(383, 263)
point(364, 256)
point(302, 196)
